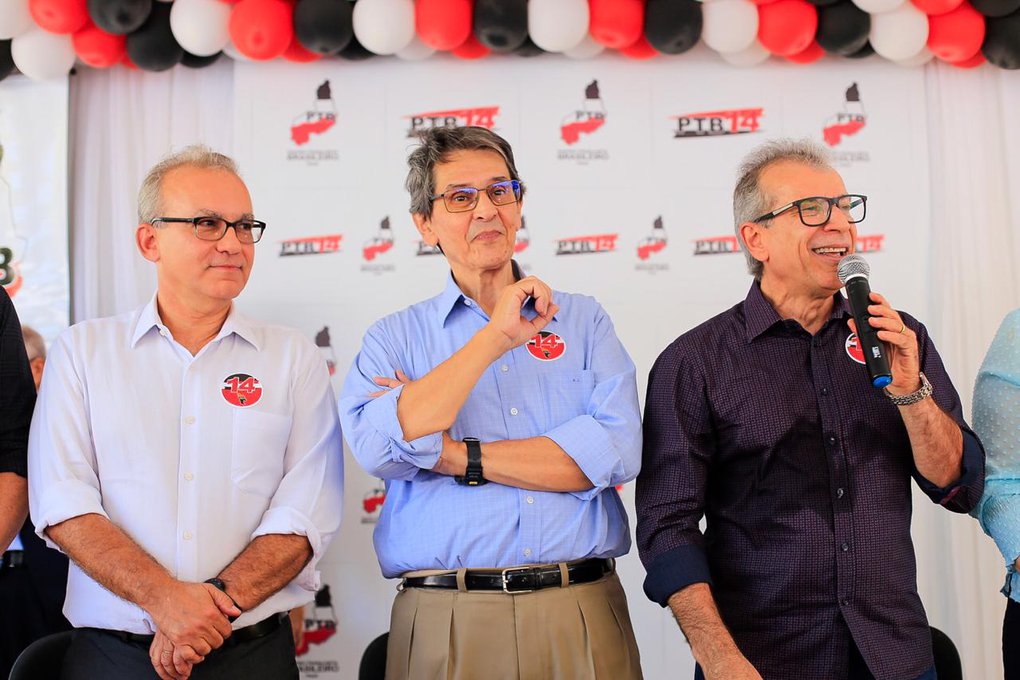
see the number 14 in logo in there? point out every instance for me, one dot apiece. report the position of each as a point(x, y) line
point(241, 389)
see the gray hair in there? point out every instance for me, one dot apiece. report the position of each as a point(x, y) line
point(194, 156)
point(750, 201)
point(35, 346)
point(436, 146)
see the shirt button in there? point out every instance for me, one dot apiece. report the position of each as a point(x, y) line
point(839, 492)
point(187, 535)
point(832, 441)
point(845, 547)
point(467, 302)
point(504, 368)
point(531, 499)
point(189, 420)
point(825, 391)
point(845, 602)
point(188, 476)
point(514, 411)
point(527, 552)
point(163, 333)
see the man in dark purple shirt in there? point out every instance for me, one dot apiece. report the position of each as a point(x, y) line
point(764, 421)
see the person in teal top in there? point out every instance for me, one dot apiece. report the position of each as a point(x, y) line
point(997, 422)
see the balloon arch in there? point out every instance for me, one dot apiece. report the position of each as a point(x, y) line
point(43, 38)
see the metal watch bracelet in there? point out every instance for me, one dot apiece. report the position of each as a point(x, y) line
point(913, 397)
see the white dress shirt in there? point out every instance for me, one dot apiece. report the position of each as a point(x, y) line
point(187, 455)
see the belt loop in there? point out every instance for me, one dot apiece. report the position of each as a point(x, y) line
point(564, 575)
point(462, 580)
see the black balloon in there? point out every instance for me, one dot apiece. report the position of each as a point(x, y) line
point(865, 51)
point(6, 61)
point(153, 46)
point(194, 61)
point(528, 49)
point(673, 26)
point(843, 29)
point(1002, 41)
point(323, 26)
point(501, 25)
point(355, 51)
point(996, 8)
point(119, 17)
point(823, 3)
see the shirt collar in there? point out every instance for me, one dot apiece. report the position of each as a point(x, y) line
point(148, 319)
point(760, 315)
point(447, 301)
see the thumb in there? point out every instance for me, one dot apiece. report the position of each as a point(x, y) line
point(853, 325)
point(224, 603)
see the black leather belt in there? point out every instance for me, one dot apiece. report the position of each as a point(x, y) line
point(517, 579)
point(12, 559)
point(246, 634)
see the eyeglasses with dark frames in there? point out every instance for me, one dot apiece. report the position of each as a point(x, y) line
point(210, 228)
point(815, 211)
point(462, 199)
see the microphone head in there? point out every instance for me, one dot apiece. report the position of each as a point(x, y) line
point(852, 266)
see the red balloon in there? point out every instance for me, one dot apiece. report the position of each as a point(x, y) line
point(616, 23)
point(641, 49)
point(762, 2)
point(262, 29)
point(59, 16)
point(298, 54)
point(933, 7)
point(813, 53)
point(97, 48)
point(956, 36)
point(973, 62)
point(443, 24)
point(127, 62)
point(787, 27)
point(471, 49)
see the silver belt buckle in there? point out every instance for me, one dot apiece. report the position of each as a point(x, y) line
point(506, 579)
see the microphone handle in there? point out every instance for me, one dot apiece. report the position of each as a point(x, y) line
point(858, 292)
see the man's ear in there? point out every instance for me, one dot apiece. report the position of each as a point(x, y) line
point(424, 227)
point(753, 236)
point(148, 244)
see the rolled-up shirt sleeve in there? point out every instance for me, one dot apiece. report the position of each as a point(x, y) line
point(61, 457)
point(371, 425)
point(309, 498)
point(605, 442)
point(679, 445)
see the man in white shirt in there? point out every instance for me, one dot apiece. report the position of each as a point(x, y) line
point(185, 457)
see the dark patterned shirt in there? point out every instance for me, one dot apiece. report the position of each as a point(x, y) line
point(17, 390)
point(802, 470)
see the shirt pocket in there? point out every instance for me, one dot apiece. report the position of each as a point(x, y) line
point(260, 444)
point(566, 393)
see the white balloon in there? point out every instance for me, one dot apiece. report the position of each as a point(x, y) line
point(878, 6)
point(41, 55)
point(384, 26)
point(751, 56)
point(416, 50)
point(558, 25)
point(15, 18)
point(899, 34)
point(201, 26)
point(729, 25)
point(586, 49)
point(919, 59)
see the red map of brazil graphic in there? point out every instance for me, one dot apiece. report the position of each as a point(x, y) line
point(847, 122)
point(318, 119)
point(587, 119)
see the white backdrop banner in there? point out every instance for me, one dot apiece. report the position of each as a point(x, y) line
point(630, 174)
point(33, 201)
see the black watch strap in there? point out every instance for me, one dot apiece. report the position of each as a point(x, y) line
point(473, 475)
point(219, 585)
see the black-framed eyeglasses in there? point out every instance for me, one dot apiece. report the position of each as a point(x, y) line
point(815, 211)
point(210, 228)
point(462, 199)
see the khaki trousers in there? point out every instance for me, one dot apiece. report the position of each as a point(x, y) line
point(578, 632)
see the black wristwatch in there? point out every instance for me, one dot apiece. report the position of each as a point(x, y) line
point(473, 474)
point(219, 585)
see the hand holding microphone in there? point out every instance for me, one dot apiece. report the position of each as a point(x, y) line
point(889, 346)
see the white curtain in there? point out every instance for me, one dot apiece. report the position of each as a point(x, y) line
point(123, 121)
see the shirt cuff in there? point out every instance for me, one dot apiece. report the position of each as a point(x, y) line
point(1000, 518)
point(381, 413)
point(971, 466)
point(288, 521)
point(65, 500)
point(586, 442)
point(674, 570)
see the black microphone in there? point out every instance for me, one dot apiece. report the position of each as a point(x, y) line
point(853, 273)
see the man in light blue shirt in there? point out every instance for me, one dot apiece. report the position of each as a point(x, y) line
point(502, 414)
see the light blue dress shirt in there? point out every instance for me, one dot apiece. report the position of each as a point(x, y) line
point(585, 400)
point(997, 422)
